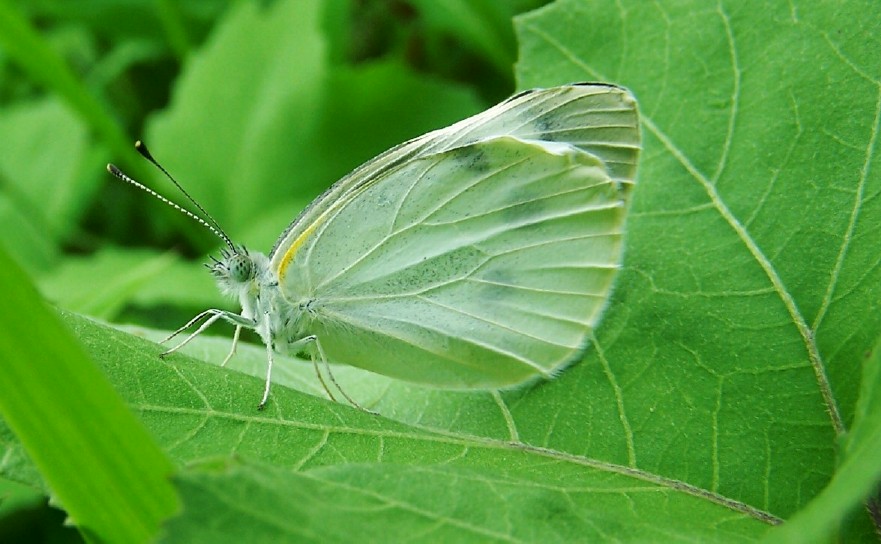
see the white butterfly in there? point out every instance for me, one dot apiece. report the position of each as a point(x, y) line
point(480, 255)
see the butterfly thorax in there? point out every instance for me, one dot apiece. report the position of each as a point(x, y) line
point(248, 276)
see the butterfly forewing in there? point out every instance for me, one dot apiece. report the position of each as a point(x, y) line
point(598, 118)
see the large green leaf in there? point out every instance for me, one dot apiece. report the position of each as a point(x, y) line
point(858, 476)
point(751, 281)
point(529, 498)
point(276, 52)
point(401, 477)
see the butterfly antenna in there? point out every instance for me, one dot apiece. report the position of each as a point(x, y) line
point(213, 226)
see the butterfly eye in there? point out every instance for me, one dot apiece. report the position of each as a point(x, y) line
point(233, 267)
point(240, 268)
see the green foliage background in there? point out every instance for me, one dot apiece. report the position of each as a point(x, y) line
point(733, 384)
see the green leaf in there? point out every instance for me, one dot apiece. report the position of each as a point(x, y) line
point(235, 168)
point(731, 352)
point(123, 274)
point(43, 199)
point(484, 25)
point(401, 477)
point(858, 476)
point(531, 498)
point(104, 467)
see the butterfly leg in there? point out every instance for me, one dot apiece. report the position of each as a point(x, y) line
point(333, 380)
point(186, 326)
point(235, 344)
point(321, 379)
point(270, 356)
point(295, 348)
point(215, 315)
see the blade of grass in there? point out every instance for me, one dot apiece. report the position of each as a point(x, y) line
point(107, 471)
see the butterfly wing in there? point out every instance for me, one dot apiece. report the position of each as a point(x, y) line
point(597, 118)
point(483, 264)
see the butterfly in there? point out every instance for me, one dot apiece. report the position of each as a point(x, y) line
point(476, 256)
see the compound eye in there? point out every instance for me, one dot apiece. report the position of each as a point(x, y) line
point(241, 268)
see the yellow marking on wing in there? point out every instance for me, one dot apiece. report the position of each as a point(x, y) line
point(301, 239)
point(295, 246)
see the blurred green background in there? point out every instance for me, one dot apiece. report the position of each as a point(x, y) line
point(254, 107)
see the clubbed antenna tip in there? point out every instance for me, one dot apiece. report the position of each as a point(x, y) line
point(212, 226)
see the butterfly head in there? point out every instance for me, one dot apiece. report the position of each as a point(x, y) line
point(235, 270)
